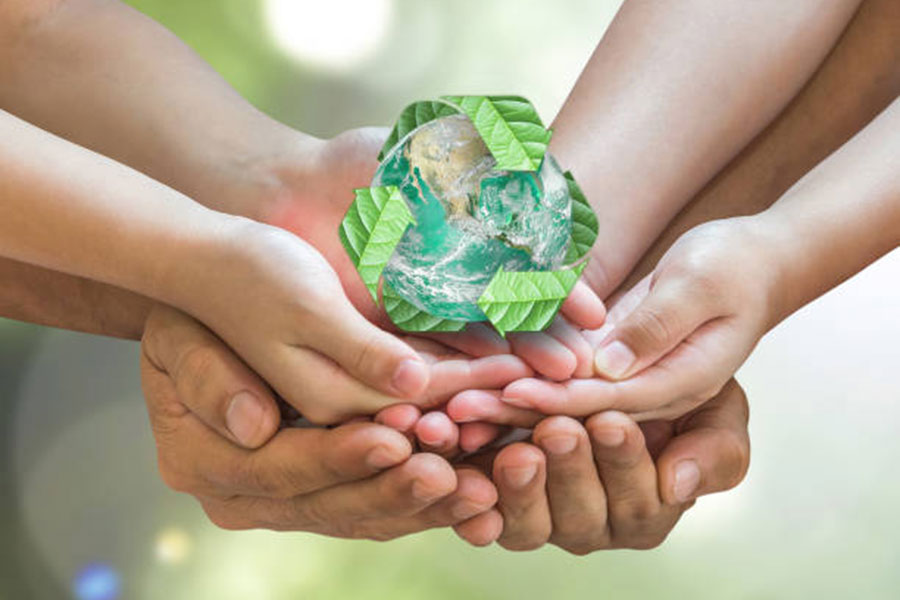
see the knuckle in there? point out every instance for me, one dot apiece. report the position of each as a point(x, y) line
point(174, 478)
point(196, 367)
point(638, 514)
point(225, 519)
point(367, 354)
point(735, 459)
point(523, 543)
point(651, 328)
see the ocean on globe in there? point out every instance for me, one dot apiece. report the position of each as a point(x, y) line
point(471, 218)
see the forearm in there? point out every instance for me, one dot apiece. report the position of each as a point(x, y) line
point(858, 80)
point(44, 297)
point(104, 76)
point(839, 218)
point(672, 93)
point(68, 209)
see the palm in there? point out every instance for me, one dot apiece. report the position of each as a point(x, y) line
point(319, 200)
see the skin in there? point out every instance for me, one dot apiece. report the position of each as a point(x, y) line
point(838, 101)
point(635, 3)
point(698, 318)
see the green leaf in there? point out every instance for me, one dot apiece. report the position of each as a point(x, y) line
point(527, 300)
point(371, 229)
point(409, 317)
point(584, 223)
point(510, 128)
point(414, 115)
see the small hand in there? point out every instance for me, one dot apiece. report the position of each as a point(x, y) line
point(675, 339)
point(216, 428)
point(313, 206)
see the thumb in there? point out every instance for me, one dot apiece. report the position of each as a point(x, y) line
point(666, 316)
point(371, 355)
point(209, 379)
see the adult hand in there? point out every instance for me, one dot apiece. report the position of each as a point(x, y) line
point(312, 204)
point(612, 483)
point(216, 427)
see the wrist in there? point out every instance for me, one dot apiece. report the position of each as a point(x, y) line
point(773, 247)
point(255, 179)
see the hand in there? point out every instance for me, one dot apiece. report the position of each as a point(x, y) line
point(317, 192)
point(677, 337)
point(216, 427)
point(612, 483)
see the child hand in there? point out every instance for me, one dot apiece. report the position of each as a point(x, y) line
point(314, 205)
point(676, 338)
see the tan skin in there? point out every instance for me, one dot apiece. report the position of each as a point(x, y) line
point(213, 162)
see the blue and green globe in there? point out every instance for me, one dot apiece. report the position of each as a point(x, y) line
point(469, 219)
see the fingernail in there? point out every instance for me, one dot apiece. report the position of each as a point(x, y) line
point(464, 509)
point(519, 477)
point(244, 417)
point(611, 437)
point(424, 492)
point(514, 401)
point(687, 478)
point(559, 444)
point(614, 360)
point(382, 458)
point(410, 377)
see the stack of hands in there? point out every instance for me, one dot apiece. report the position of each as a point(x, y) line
point(220, 250)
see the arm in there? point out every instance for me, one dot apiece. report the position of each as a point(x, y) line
point(38, 295)
point(688, 326)
point(672, 93)
point(93, 57)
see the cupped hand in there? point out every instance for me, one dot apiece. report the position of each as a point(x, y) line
point(313, 204)
point(611, 483)
point(216, 426)
point(675, 339)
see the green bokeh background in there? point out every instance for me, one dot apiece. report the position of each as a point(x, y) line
point(815, 518)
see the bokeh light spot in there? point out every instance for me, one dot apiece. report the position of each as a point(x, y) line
point(330, 34)
point(173, 546)
point(97, 581)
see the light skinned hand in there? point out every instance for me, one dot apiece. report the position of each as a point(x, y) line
point(314, 208)
point(676, 338)
point(216, 425)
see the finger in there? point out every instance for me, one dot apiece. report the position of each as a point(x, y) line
point(485, 405)
point(209, 379)
point(369, 354)
point(570, 337)
point(519, 472)
point(544, 354)
point(438, 434)
point(711, 452)
point(684, 378)
point(477, 339)
point(636, 515)
point(343, 510)
point(294, 462)
point(576, 496)
point(481, 530)
point(665, 317)
point(583, 307)
point(474, 495)
point(455, 375)
point(400, 417)
point(322, 390)
point(474, 436)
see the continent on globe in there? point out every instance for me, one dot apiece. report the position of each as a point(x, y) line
point(469, 219)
